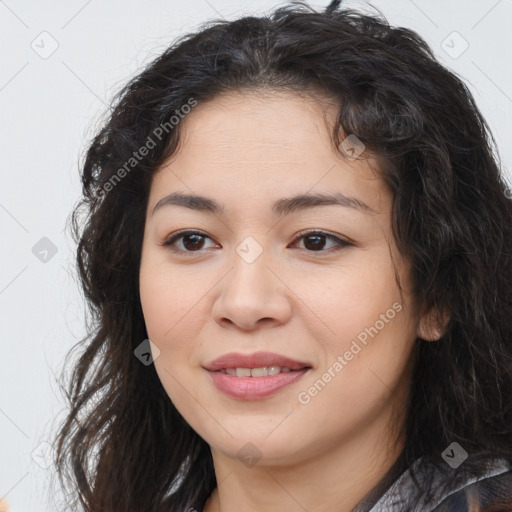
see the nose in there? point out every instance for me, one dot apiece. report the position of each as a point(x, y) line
point(253, 294)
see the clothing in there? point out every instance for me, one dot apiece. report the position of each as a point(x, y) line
point(491, 487)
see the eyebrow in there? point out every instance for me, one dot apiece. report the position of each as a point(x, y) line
point(281, 207)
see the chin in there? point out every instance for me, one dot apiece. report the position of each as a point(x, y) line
point(260, 450)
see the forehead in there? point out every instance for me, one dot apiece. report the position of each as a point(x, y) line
point(262, 123)
point(247, 142)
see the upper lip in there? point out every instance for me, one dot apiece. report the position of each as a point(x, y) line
point(255, 360)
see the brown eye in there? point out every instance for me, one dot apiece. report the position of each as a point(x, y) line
point(192, 241)
point(315, 241)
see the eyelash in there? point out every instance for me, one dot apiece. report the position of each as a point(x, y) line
point(180, 234)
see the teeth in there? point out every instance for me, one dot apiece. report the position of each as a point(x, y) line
point(259, 372)
point(243, 372)
point(256, 372)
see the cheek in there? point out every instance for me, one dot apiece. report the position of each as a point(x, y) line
point(370, 334)
point(348, 299)
point(173, 303)
point(169, 317)
point(169, 298)
point(365, 369)
point(154, 297)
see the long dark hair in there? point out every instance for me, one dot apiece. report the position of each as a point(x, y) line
point(123, 445)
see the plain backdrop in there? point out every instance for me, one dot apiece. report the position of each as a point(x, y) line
point(61, 62)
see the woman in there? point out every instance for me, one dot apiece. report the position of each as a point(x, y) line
point(235, 362)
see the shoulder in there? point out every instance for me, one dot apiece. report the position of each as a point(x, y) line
point(491, 491)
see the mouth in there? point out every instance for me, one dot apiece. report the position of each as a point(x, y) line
point(251, 387)
point(262, 371)
point(255, 376)
point(257, 364)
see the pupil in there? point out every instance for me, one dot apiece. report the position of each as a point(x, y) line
point(317, 238)
point(194, 244)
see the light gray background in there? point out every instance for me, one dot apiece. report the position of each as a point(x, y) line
point(50, 106)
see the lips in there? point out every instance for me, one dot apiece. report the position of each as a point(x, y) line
point(268, 367)
point(255, 360)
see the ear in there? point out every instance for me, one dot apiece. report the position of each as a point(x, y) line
point(432, 325)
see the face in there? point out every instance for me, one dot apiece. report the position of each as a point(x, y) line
point(311, 282)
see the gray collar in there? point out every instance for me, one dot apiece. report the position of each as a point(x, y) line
point(404, 486)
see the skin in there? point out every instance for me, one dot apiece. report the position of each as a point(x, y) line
point(300, 297)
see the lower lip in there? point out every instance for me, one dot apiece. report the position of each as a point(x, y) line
point(253, 388)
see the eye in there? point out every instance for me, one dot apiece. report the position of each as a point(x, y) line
point(193, 241)
point(317, 241)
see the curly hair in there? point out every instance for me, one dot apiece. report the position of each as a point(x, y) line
point(123, 445)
